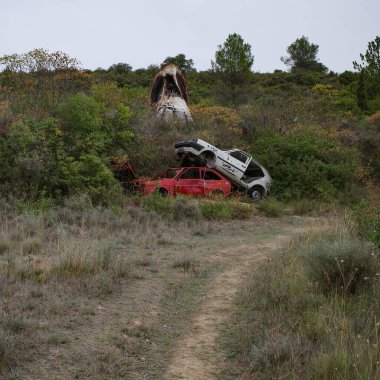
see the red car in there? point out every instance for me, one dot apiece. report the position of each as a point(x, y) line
point(196, 181)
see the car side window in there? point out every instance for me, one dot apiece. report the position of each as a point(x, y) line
point(209, 175)
point(191, 174)
point(239, 156)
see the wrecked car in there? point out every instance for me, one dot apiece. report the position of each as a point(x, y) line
point(195, 181)
point(239, 167)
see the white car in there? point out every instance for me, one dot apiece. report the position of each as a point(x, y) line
point(239, 167)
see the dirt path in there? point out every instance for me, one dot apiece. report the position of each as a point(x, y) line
point(195, 355)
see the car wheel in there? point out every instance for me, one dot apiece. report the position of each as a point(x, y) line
point(217, 194)
point(208, 158)
point(163, 192)
point(256, 193)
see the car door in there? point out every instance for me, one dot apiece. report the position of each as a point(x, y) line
point(190, 183)
point(238, 162)
point(213, 182)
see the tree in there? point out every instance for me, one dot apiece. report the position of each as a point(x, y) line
point(120, 68)
point(371, 58)
point(36, 81)
point(369, 80)
point(303, 55)
point(185, 65)
point(233, 61)
point(361, 92)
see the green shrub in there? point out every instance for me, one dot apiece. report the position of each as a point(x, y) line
point(271, 207)
point(90, 175)
point(224, 210)
point(157, 203)
point(368, 221)
point(341, 265)
point(183, 207)
point(305, 163)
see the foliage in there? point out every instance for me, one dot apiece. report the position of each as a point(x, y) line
point(286, 327)
point(182, 207)
point(120, 68)
point(271, 207)
point(36, 81)
point(303, 126)
point(234, 56)
point(340, 265)
point(303, 55)
point(370, 59)
point(180, 60)
point(233, 60)
point(368, 222)
point(90, 175)
point(223, 210)
point(369, 84)
point(307, 162)
point(362, 93)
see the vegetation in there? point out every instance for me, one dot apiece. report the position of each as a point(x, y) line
point(233, 61)
point(62, 127)
point(311, 312)
point(303, 55)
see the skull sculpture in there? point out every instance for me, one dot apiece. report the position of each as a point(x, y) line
point(169, 94)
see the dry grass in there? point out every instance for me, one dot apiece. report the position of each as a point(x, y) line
point(60, 259)
point(290, 326)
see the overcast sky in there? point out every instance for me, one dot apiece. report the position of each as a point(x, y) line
point(142, 32)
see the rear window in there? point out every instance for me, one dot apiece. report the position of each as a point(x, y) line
point(191, 174)
point(170, 173)
point(209, 175)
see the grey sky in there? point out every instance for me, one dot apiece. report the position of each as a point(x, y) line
point(102, 32)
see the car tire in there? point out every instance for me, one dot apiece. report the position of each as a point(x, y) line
point(217, 194)
point(209, 159)
point(256, 193)
point(163, 192)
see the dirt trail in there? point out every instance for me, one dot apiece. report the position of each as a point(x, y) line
point(111, 341)
point(196, 356)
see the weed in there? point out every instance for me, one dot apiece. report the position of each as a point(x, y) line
point(185, 208)
point(307, 207)
point(271, 207)
point(187, 264)
point(56, 340)
point(31, 246)
point(7, 347)
point(340, 264)
point(224, 210)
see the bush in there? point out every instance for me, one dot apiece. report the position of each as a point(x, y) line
point(191, 208)
point(90, 175)
point(340, 265)
point(306, 163)
point(185, 208)
point(271, 207)
point(286, 328)
point(224, 210)
point(368, 222)
point(157, 203)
